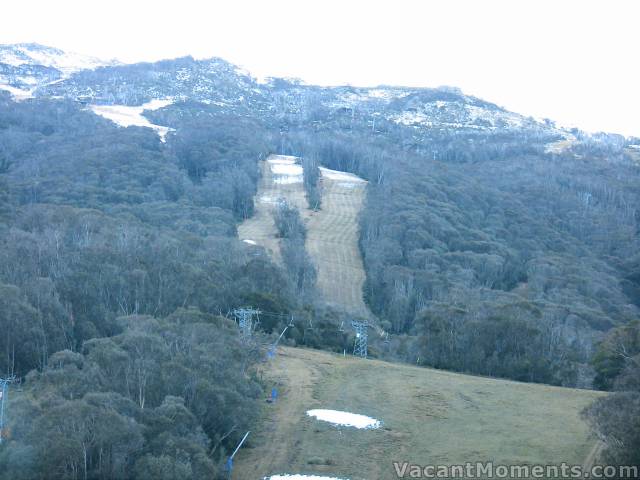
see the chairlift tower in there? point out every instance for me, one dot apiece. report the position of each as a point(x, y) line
point(360, 342)
point(4, 389)
point(244, 316)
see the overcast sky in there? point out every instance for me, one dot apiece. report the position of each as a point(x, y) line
point(577, 62)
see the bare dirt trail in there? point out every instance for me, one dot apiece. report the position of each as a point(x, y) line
point(294, 376)
point(593, 456)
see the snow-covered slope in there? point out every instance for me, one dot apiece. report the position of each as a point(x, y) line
point(26, 66)
point(34, 54)
point(212, 81)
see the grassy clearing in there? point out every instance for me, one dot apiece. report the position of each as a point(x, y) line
point(429, 417)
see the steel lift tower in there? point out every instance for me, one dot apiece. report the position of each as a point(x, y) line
point(244, 316)
point(360, 342)
point(4, 390)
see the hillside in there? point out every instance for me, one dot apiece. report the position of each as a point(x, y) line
point(428, 417)
point(332, 230)
point(476, 221)
point(482, 241)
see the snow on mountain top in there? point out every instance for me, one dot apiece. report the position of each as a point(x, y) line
point(35, 54)
point(386, 94)
point(352, 98)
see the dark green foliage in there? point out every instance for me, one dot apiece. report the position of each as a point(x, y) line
point(116, 256)
point(486, 224)
point(617, 420)
point(311, 169)
point(293, 232)
point(616, 417)
point(289, 223)
point(164, 394)
point(616, 357)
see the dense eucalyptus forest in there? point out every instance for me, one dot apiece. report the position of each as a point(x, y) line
point(484, 252)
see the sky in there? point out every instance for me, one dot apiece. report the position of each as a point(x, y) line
point(576, 62)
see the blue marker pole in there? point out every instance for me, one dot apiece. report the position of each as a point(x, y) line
point(230, 459)
point(272, 350)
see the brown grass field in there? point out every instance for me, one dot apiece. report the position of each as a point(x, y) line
point(429, 417)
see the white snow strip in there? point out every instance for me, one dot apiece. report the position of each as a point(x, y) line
point(282, 159)
point(285, 169)
point(345, 418)
point(126, 116)
point(267, 199)
point(287, 476)
point(288, 179)
point(344, 177)
point(250, 242)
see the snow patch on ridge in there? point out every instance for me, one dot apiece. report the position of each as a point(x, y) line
point(126, 116)
point(17, 94)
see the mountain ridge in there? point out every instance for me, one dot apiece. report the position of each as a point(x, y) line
point(216, 81)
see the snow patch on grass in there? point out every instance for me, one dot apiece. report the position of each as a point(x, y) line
point(345, 419)
point(126, 116)
point(268, 199)
point(301, 477)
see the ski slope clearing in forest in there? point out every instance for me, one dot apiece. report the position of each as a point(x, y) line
point(332, 232)
point(430, 417)
point(281, 178)
point(332, 241)
point(126, 116)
